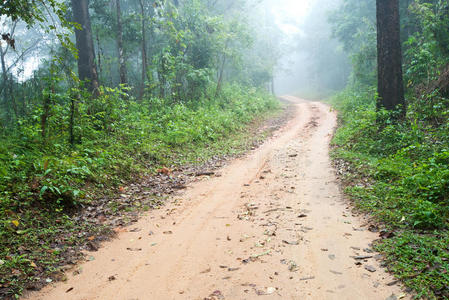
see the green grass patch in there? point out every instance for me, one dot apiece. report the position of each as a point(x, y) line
point(399, 173)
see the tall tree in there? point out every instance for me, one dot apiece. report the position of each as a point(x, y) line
point(121, 54)
point(144, 48)
point(389, 56)
point(87, 69)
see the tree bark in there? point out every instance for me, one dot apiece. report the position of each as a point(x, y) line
point(46, 114)
point(220, 77)
point(100, 71)
point(121, 54)
point(144, 50)
point(87, 70)
point(389, 57)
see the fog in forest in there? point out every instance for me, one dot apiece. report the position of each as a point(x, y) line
point(307, 60)
point(313, 63)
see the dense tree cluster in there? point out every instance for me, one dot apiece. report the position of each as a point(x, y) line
point(177, 50)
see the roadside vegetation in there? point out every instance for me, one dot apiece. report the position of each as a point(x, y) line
point(397, 168)
point(44, 185)
point(145, 88)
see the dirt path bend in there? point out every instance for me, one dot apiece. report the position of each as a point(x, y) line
point(273, 226)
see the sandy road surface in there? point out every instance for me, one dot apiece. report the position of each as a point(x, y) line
point(273, 226)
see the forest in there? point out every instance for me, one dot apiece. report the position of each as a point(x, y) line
point(99, 95)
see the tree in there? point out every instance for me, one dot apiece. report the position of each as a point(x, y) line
point(144, 48)
point(389, 57)
point(87, 69)
point(121, 54)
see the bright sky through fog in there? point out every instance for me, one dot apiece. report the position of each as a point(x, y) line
point(289, 14)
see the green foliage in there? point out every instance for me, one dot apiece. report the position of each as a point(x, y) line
point(400, 174)
point(354, 25)
point(427, 50)
point(421, 261)
point(117, 138)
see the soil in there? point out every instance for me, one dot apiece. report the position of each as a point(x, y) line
point(272, 224)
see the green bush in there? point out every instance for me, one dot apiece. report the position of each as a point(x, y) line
point(406, 166)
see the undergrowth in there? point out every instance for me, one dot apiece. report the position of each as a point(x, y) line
point(42, 184)
point(399, 173)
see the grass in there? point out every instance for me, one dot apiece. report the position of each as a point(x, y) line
point(44, 185)
point(399, 173)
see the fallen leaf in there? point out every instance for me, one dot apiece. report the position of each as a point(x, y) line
point(119, 229)
point(290, 243)
point(134, 249)
point(206, 271)
point(370, 268)
point(111, 278)
point(307, 278)
point(292, 266)
point(168, 232)
point(360, 257)
point(69, 290)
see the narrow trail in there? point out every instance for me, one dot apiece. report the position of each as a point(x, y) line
point(273, 226)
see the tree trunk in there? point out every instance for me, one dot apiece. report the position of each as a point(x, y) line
point(100, 71)
point(73, 99)
point(121, 54)
point(44, 116)
point(220, 77)
point(7, 85)
point(144, 50)
point(87, 70)
point(389, 57)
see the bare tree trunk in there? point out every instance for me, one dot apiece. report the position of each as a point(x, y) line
point(144, 50)
point(161, 77)
point(45, 115)
point(99, 55)
point(72, 120)
point(87, 70)
point(390, 82)
point(7, 84)
point(220, 77)
point(121, 54)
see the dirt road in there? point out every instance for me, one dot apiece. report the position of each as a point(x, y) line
point(273, 226)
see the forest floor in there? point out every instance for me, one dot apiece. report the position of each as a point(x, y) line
point(273, 223)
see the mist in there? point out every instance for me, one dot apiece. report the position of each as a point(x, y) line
point(312, 63)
